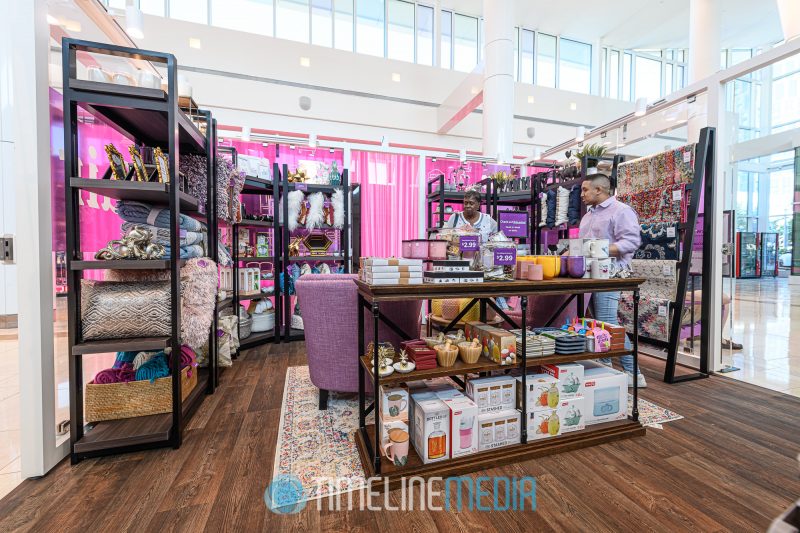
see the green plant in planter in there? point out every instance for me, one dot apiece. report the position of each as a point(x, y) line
point(591, 150)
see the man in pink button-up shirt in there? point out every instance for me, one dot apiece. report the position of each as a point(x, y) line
point(610, 219)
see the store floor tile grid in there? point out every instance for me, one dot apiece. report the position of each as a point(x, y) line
point(317, 446)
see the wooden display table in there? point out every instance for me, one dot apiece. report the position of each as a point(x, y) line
point(367, 438)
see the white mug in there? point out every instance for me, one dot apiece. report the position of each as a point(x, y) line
point(597, 248)
point(588, 261)
point(576, 247)
point(601, 268)
point(98, 74)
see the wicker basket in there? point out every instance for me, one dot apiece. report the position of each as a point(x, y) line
point(444, 356)
point(469, 353)
point(245, 327)
point(134, 398)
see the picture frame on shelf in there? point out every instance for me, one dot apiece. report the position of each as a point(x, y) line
point(137, 163)
point(244, 242)
point(317, 243)
point(118, 169)
point(162, 165)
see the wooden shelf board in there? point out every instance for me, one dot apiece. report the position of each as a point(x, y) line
point(515, 453)
point(124, 264)
point(140, 112)
point(258, 223)
point(140, 191)
point(257, 339)
point(461, 368)
point(316, 258)
point(126, 432)
point(121, 345)
point(490, 289)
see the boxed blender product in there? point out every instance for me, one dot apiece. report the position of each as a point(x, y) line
point(605, 392)
point(387, 425)
point(543, 424)
point(570, 414)
point(492, 394)
point(393, 403)
point(570, 379)
point(498, 429)
point(431, 429)
point(463, 426)
point(542, 392)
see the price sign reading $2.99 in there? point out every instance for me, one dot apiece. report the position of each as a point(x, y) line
point(468, 243)
point(505, 256)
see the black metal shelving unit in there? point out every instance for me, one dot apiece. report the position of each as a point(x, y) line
point(258, 187)
point(283, 320)
point(148, 117)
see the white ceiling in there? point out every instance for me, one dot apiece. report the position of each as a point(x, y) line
point(640, 23)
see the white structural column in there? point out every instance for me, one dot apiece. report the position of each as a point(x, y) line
point(704, 47)
point(26, 23)
point(498, 88)
point(789, 11)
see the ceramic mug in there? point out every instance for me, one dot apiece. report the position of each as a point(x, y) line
point(601, 268)
point(397, 404)
point(397, 447)
point(576, 247)
point(550, 265)
point(121, 78)
point(597, 248)
point(148, 79)
point(576, 265)
point(465, 437)
point(97, 74)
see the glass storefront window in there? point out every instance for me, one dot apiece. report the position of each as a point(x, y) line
point(400, 30)
point(546, 61)
point(424, 35)
point(291, 20)
point(575, 66)
point(369, 27)
point(343, 25)
point(465, 43)
point(322, 22)
point(254, 16)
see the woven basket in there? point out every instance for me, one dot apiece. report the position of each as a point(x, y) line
point(450, 308)
point(469, 353)
point(245, 327)
point(134, 398)
point(446, 357)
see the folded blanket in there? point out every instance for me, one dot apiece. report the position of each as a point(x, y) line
point(140, 213)
point(187, 252)
point(161, 235)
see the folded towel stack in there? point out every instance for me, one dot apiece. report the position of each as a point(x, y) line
point(140, 213)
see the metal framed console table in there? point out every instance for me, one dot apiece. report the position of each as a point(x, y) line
point(367, 437)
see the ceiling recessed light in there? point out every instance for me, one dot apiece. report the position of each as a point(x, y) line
point(291, 147)
point(332, 150)
point(573, 106)
point(531, 99)
point(195, 43)
point(395, 76)
point(52, 20)
point(72, 25)
point(305, 62)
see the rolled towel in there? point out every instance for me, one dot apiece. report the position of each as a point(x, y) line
point(153, 369)
point(142, 358)
point(140, 213)
point(187, 252)
point(188, 358)
point(161, 235)
point(106, 377)
point(125, 375)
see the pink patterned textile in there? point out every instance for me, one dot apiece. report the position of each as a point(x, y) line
point(328, 303)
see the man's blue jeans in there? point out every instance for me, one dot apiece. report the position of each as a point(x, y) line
point(605, 306)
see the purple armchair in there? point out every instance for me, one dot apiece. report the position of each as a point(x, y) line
point(328, 304)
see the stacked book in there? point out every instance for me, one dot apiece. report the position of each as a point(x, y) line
point(390, 271)
point(536, 345)
point(423, 357)
point(567, 343)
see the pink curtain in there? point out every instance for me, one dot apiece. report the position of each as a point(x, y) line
point(389, 201)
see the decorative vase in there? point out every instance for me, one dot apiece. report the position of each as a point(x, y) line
point(334, 177)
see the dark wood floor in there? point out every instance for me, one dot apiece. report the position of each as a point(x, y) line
point(730, 465)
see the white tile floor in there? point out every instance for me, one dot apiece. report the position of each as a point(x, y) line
point(766, 322)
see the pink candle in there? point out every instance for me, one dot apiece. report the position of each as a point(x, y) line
point(535, 273)
point(522, 270)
